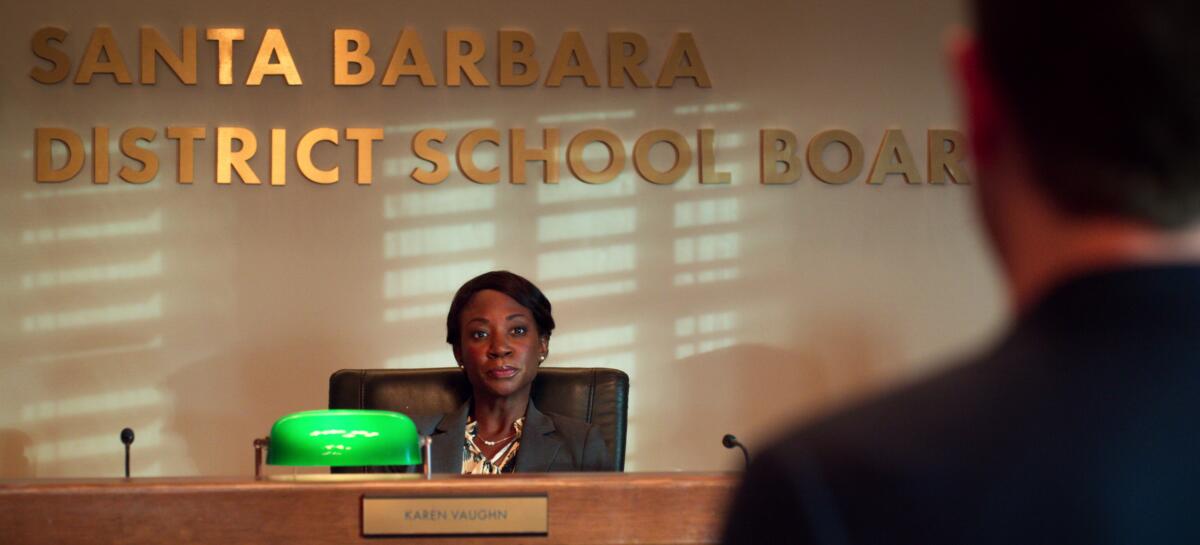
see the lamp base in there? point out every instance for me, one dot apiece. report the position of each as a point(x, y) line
point(344, 477)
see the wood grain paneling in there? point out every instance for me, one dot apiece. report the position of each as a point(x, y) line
point(584, 509)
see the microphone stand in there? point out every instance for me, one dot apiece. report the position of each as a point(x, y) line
point(127, 439)
point(729, 441)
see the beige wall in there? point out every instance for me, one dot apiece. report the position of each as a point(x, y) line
point(198, 314)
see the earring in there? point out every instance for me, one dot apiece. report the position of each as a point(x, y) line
point(541, 358)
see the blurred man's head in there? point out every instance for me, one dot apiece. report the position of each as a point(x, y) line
point(1107, 98)
point(1085, 118)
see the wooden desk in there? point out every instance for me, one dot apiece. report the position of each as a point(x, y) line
point(647, 508)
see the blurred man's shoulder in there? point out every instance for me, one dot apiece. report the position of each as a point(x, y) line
point(937, 408)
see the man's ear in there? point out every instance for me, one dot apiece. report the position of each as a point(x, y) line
point(978, 94)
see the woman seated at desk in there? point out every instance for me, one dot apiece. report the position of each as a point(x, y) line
point(499, 326)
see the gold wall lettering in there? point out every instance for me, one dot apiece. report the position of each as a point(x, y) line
point(229, 159)
point(464, 50)
point(947, 156)
point(778, 146)
point(616, 156)
point(422, 148)
point(626, 53)
point(103, 57)
point(466, 157)
point(147, 158)
point(641, 156)
point(279, 157)
point(100, 155)
point(304, 155)
point(225, 38)
point(516, 64)
point(408, 45)
point(706, 139)
point(894, 157)
point(780, 158)
point(572, 60)
point(44, 140)
point(516, 49)
point(61, 63)
point(187, 137)
point(273, 46)
point(153, 45)
point(518, 155)
point(364, 139)
point(816, 156)
point(344, 56)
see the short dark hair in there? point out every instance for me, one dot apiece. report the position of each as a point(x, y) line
point(1107, 95)
point(513, 285)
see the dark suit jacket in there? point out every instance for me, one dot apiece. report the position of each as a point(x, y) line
point(1082, 426)
point(549, 442)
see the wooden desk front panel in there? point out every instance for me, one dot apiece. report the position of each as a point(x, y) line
point(584, 509)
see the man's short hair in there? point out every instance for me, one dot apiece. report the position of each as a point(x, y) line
point(1107, 96)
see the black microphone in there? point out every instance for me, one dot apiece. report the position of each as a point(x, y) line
point(730, 441)
point(127, 438)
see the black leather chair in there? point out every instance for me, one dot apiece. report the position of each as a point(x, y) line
point(596, 395)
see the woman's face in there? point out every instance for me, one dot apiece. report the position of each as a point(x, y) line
point(501, 347)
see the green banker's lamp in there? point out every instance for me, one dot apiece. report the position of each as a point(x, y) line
point(342, 437)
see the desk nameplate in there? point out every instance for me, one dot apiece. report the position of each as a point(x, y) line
point(459, 515)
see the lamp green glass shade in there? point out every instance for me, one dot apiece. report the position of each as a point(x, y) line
point(344, 437)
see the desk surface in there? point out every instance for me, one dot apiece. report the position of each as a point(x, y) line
point(598, 508)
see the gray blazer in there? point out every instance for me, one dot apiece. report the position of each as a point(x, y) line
point(549, 442)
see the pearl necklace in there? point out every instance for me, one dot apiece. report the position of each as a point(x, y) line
point(496, 442)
